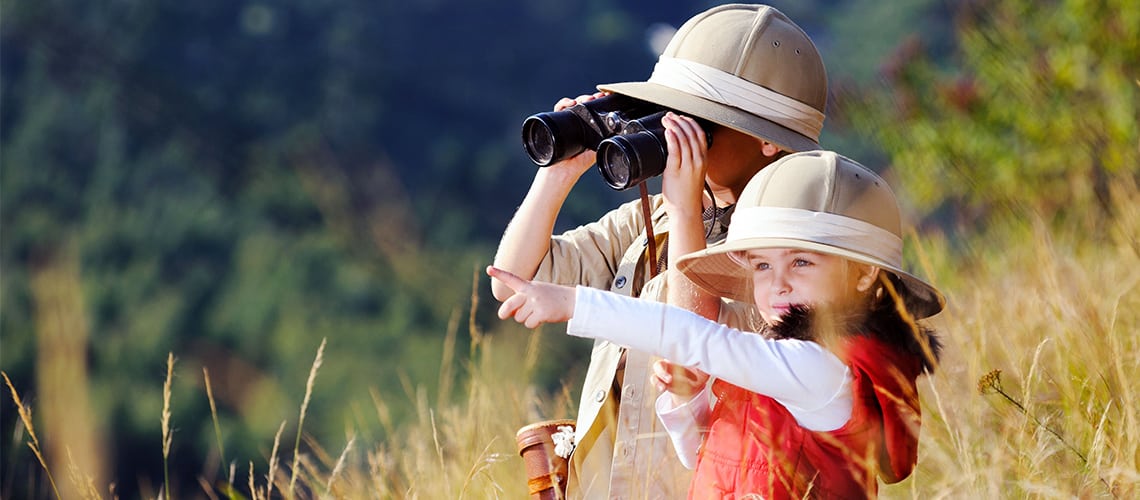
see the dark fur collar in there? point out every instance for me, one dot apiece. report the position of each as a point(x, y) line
point(883, 322)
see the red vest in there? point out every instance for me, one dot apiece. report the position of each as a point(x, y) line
point(755, 446)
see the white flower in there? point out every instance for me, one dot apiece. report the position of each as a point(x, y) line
point(563, 441)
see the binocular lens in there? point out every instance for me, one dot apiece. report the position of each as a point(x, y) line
point(613, 162)
point(539, 141)
point(626, 132)
point(552, 137)
point(626, 160)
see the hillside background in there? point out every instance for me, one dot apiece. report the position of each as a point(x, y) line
point(251, 186)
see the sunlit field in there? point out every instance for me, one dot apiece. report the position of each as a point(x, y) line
point(1036, 396)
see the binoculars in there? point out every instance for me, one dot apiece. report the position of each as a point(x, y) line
point(626, 132)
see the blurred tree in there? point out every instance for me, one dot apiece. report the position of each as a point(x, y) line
point(1039, 109)
point(238, 180)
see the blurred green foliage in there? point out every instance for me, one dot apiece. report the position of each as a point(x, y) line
point(240, 180)
point(1037, 113)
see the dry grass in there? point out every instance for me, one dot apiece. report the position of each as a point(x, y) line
point(1056, 312)
point(26, 418)
point(1037, 394)
point(167, 437)
point(1036, 397)
point(459, 450)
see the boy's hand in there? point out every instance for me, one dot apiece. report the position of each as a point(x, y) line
point(577, 165)
point(683, 180)
point(534, 302)
point(681, 382)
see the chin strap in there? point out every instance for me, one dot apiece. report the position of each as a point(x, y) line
point(651, 241)
point(715, 214)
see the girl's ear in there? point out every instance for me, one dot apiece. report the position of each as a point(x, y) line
point(868, 275)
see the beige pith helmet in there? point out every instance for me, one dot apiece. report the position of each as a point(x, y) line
point(745, 66)
point(817, 201)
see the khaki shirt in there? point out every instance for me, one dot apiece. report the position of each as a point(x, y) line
point(623, 450)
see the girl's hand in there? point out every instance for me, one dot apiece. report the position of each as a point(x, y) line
point(534, 302)
point(684, 178)
point(681, 382)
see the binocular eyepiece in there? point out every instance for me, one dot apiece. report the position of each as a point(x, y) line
point(626, 132)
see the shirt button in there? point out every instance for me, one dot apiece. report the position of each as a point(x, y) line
point(622, 453)
point(630, 393)
point(599, 396)
point(628, 421)
point(620, 282)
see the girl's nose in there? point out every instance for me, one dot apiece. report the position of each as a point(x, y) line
point(780, 285)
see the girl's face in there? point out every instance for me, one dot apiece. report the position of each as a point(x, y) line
point(783, 277)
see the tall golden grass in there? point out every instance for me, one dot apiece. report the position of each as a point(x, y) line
point(1037, 394)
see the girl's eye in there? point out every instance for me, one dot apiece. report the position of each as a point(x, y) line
point(801, 263)
point(760, 266)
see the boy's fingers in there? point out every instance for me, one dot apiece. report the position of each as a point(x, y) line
point(564, 103)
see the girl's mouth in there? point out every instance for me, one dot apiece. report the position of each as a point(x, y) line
point(781, 309)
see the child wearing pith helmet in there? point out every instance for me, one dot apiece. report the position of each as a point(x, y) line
point(823, 402)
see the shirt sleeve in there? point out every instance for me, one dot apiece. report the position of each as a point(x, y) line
point(810, 381)
point(686, 424)
point(590, 255)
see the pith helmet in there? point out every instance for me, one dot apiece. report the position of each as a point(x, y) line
point(817, 201)
point(747, 67)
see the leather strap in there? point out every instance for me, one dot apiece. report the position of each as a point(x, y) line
point(650, 241)
point(539, 484)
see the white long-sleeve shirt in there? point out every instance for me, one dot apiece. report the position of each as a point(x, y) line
point(803, 376)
